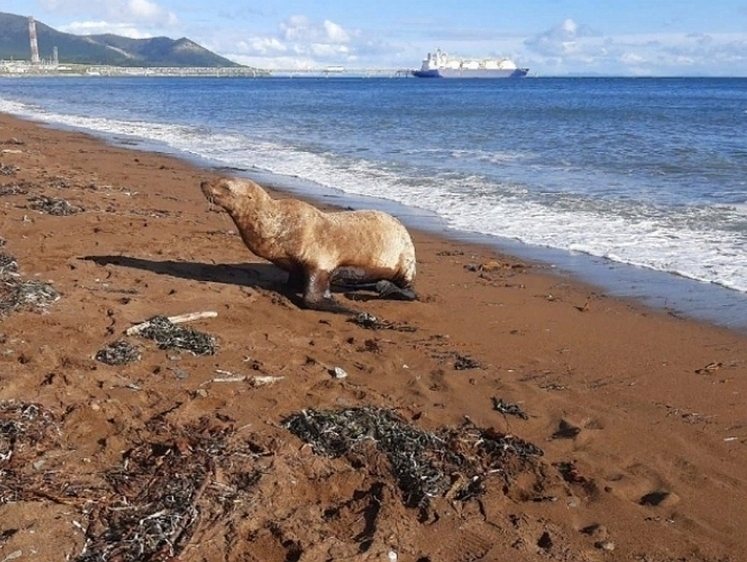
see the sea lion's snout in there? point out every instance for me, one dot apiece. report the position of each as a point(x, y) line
point(207, 190)
point(206, 186)
point(216, 187)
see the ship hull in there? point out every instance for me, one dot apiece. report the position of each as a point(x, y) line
point(470, 73)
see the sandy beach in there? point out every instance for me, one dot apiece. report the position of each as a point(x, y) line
point(509, 414)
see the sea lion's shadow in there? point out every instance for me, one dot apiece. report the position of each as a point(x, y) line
point(260, 275)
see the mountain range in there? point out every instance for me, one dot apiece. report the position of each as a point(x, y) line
point(107, 49)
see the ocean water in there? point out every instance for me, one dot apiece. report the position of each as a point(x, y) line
point(639, 185)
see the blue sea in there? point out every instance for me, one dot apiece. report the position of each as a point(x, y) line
point(637, 185)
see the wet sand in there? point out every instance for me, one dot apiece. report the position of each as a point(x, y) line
point(632, 447)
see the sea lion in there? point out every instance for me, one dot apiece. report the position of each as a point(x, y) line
point(317, 248)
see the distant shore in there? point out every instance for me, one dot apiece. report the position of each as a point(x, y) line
point(23, 68)
point(11, 68)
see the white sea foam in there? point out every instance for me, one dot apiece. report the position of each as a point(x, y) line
point(685, 243)
point(695, 242)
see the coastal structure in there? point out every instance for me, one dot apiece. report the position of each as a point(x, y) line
point(441, 65)
point(34, 42)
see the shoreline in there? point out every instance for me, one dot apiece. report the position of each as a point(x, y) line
point(638, 414)
point(659, 290)
point(666, 291)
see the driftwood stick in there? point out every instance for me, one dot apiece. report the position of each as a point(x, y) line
point(255, 381)
point(181, 318)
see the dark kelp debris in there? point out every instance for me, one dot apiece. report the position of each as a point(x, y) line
point(462, 362)
point(146, 509)
point(53, 206)
point(26, 431)
point(8, 170)
point(508, 408)
point(59, 183)
point(13, 189)
point(154, 510)
point(119, 352)
point(22, 427)
point(423, 463)
point(8, 265)
point(570, 473)
point(32, 295)
point(169, 336)
point(163, 488)
point(371, 322)
point(17, 294)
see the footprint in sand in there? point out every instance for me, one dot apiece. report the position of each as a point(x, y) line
point(641, 485)
point(468, 547)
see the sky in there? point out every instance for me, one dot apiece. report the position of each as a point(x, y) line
point(550, 37)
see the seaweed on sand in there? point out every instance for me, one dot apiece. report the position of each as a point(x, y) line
point(53, 206)
point(371, 322)
point(148, 507)
point(168, 336)
point(8, 265)
point(13, 189)
point(34, 295)
point(22, 426)
point(9, 170)
point(423, 463)
point(119, 352)
point(160, 492)
point(462, 362)
point(507, 408)
point(16, 294)
point(26, 429)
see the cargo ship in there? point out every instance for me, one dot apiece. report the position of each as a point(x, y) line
point(441, 65)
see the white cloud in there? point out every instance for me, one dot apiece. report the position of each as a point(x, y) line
point(296, 28)
point(264, 46)
point(302, 29)
point(299, 43)
point(142, 12)
point(326, 50)
point(335, 33)
point(143, 9)
point(561, 39)
point(632, 59)
point(569, 47)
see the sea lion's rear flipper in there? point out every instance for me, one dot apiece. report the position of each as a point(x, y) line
point(388, 290)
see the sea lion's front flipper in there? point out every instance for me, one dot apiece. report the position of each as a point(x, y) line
point(317, 295)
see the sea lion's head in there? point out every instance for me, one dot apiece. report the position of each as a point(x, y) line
point(231, 193)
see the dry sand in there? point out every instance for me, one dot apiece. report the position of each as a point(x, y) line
point(640, 416)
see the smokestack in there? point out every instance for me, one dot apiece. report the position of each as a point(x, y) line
point(34, 42)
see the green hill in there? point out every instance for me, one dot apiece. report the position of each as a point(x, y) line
point(105, 49)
